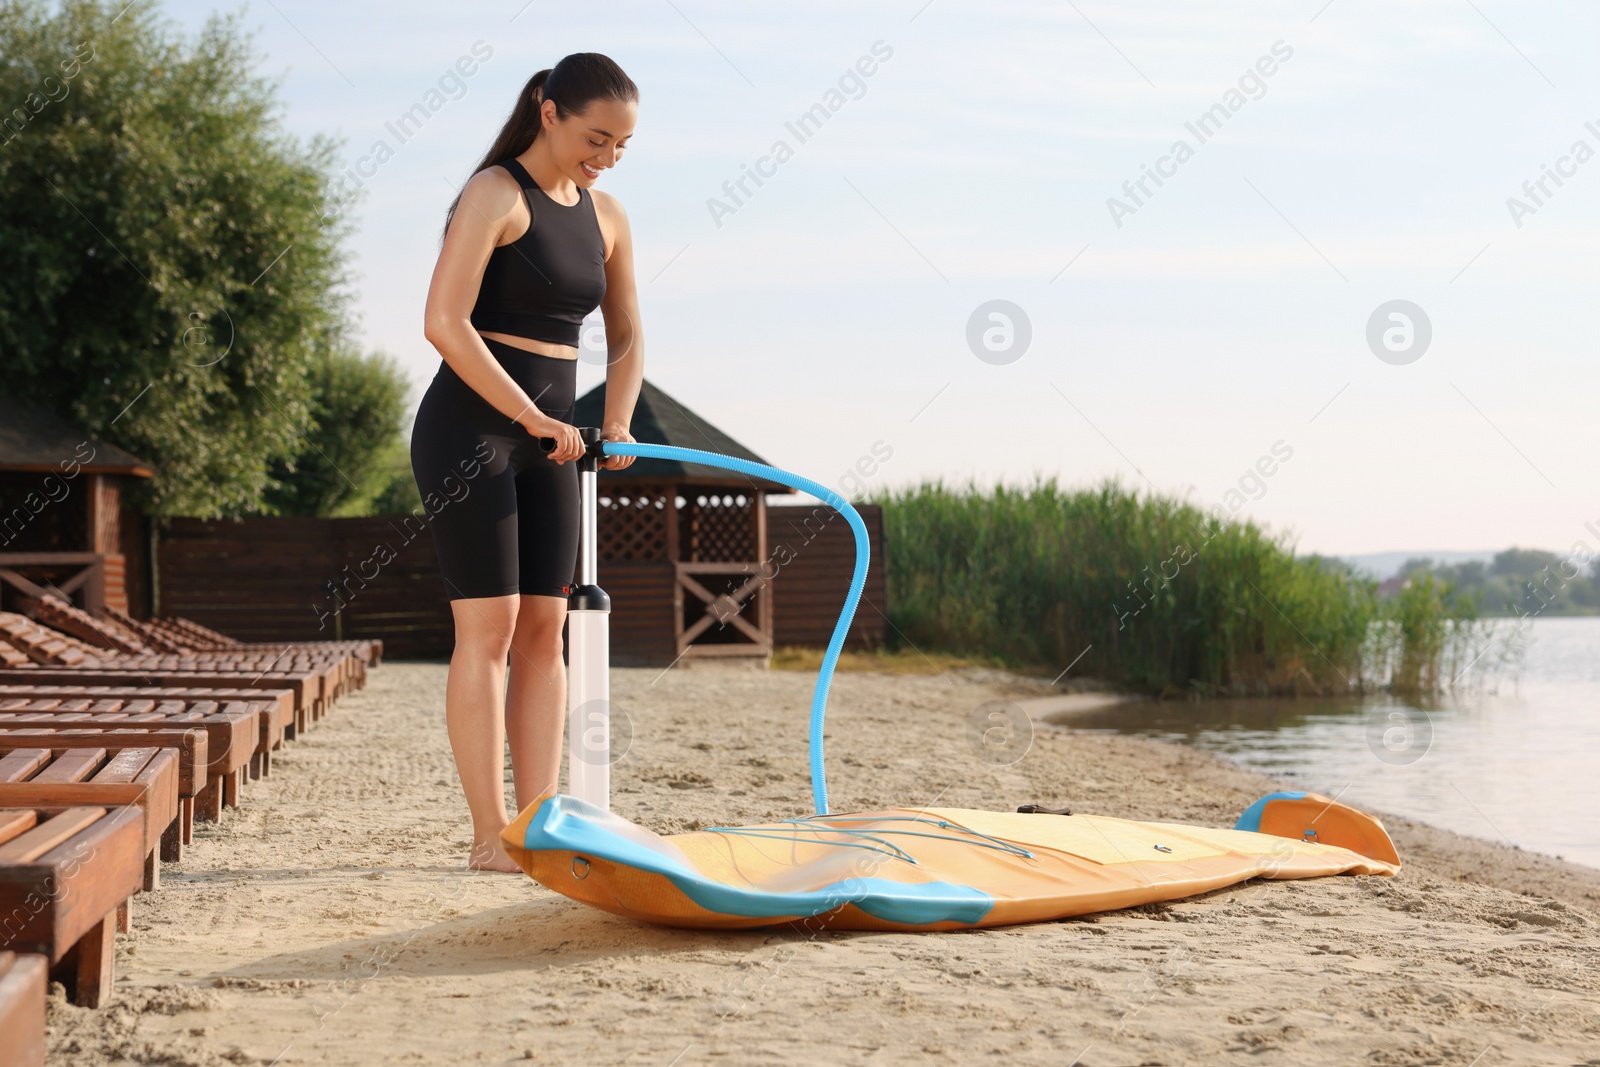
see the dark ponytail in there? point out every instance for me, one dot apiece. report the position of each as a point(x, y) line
point(574, 83)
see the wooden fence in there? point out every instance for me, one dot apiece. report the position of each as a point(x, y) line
point(300, 579)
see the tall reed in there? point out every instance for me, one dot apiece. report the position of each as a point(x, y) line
point(1146, 591)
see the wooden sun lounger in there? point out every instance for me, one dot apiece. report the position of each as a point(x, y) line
point(193, 630)
point(143, 776)
point(325, 676)
point(152, 636)
point(233, 732)
point(369, 650)
point(177, 629)
point(365, 652)
point(119, 634)
point(64, 873)
point(42, 644)
point(274, 728)
point(22, 987)
point(338, 667)
point(67, 618)
point(306, 688)
point(187, 632)
point(189, 744)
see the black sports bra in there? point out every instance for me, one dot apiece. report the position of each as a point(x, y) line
point(544, 283)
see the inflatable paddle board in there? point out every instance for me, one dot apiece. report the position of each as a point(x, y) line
point(928, 868)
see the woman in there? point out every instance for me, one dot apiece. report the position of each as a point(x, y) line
point(530, 248)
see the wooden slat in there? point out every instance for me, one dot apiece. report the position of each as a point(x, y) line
point(17, 766)
point(54, 676)
point(45, 716)
point(22, 1009)
point(72, 766)
point(48, 834)
point(192, 742)
point(125, 765)
point(71, 794)
point(13, 823)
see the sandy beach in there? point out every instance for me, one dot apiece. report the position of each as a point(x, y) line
point(330, 920)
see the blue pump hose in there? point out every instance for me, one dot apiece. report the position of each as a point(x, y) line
point(858, 581)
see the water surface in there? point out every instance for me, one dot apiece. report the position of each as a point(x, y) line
point(1515, 765)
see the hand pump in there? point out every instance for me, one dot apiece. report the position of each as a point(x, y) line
point(588, 644)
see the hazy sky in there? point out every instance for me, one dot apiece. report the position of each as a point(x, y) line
point(1356, 153)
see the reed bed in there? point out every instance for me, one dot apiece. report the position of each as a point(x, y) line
point(1151, 593)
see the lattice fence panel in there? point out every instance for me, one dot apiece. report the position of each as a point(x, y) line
point(633, 523)
point(718, 526)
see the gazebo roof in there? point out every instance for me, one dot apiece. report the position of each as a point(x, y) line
point(660, 420)
point(35, 440)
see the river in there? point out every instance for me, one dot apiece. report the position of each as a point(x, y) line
point(1513, 763)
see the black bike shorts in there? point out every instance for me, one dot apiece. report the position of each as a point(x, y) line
point(504, 516)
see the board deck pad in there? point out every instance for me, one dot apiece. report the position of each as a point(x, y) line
point(928, 868)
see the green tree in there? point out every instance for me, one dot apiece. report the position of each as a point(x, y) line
point(1519, 581)
point(400, 495)
point(1522, 562)
point(345, 464)
point(169, 279)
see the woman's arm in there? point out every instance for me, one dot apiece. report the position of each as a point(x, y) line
point(624, 338)
point(480, 219)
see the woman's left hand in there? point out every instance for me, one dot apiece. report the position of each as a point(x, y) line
point(616, 432)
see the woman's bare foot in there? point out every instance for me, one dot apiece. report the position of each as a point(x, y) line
point(489, 856)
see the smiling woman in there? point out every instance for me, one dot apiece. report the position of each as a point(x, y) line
point(530, 249)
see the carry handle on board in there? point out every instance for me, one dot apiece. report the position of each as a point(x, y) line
point(588, 643)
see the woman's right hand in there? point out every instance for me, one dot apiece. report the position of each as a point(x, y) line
point(569, 442)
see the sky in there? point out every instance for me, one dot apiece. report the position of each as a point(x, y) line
point(1341, 278)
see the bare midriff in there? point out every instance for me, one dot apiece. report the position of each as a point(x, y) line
point(529, 344)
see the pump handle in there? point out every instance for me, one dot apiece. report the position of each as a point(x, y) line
point(591, 437)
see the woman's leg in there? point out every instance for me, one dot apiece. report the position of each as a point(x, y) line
point(474, 699)
point(536, 698)
point(547, 553)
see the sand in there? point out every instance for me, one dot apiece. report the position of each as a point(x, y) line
point(330, 920)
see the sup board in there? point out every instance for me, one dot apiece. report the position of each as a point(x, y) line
point(928, 868)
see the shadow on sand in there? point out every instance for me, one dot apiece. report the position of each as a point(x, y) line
point(532, 936)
